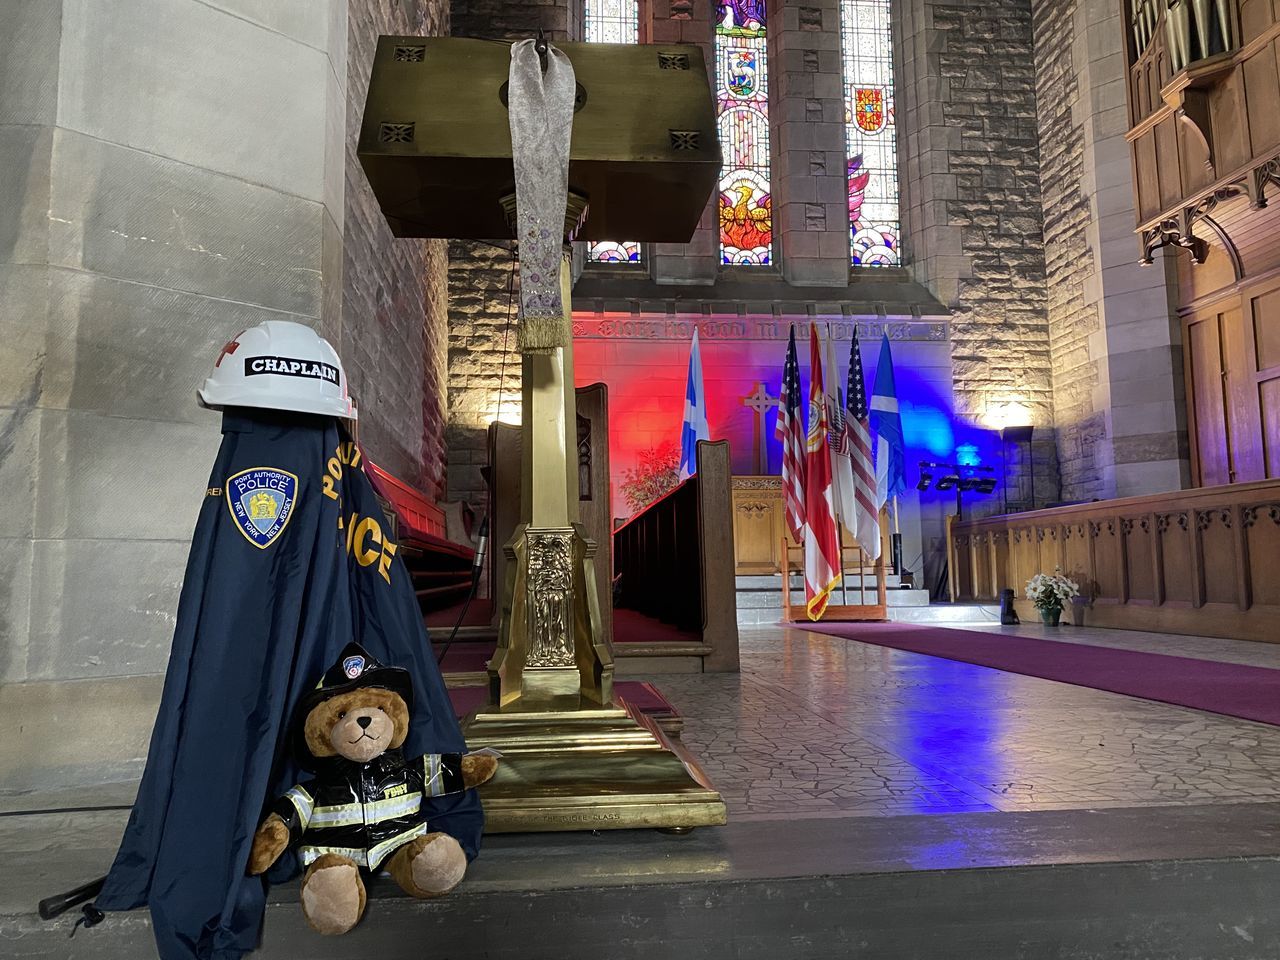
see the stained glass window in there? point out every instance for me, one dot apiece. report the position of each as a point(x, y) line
point(742, 92)
point(613, 21)
point(871, 134)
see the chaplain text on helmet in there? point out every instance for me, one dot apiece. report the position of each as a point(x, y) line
point(279, 365)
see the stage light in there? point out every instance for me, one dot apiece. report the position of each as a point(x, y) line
point(968, 483)
point(946, 481)
point(986, 485)
point(925, 479)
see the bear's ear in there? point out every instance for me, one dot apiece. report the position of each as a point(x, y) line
point(319, 722)
point(398, 711)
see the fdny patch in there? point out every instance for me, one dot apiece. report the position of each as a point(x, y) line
point(353, 667)
point(261, 501)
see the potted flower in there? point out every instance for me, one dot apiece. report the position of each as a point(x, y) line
point(1050, 592)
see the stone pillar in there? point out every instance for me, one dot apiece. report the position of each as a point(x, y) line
point(1116, 342)
point(156, 199)
point(154, 203)
point(806, 124)
point(971, 199)
point(685, 21)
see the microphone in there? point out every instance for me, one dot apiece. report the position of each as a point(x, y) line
point(51, 907)
point(482, 548)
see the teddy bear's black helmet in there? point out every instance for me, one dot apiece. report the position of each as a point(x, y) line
point(356, 668)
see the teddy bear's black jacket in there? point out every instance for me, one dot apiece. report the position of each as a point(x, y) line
point(366, 811)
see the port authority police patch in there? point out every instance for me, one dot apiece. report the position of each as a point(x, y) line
point(261, 501)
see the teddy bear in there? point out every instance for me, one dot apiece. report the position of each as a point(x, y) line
point(362, 811)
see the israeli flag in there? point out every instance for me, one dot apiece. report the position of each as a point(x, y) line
point(695, 414)
point(886, 421)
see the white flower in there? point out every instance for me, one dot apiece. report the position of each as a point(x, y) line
point(1051, 591)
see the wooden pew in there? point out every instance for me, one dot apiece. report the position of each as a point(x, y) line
point(675, 570)
point(1200, 561)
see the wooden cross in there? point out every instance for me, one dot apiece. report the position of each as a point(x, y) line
point(759, 401)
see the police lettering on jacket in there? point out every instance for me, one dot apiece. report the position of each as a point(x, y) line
point(365, 539)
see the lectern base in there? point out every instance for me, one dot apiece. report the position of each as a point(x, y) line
point(607, 768)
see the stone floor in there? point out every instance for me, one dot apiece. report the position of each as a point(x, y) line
point(817, 726)
point(875, 796)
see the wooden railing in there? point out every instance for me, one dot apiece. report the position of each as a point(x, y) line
point(1203, 561)
point(674, 561)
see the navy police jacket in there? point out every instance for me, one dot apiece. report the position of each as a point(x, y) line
point(291, 560)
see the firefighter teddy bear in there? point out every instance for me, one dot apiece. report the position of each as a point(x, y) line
point(362, 811)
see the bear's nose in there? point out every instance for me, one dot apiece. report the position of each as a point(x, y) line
point(364, 722)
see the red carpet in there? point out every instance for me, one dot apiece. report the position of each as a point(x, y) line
point(1250, 693)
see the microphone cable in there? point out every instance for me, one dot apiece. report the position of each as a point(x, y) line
point(477, 566)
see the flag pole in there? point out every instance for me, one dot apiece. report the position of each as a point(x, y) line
point(862, 576)
point(895, 546)
point(844, 591)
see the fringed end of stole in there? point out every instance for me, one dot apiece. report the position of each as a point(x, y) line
point(543, 334)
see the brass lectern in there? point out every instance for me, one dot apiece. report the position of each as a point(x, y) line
point(643, 161)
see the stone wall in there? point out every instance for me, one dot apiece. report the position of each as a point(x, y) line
point(1117, 356)
point(1068, 258)
point(971, 201)
point(394, 291)
point(483, 362)
point(153, 204)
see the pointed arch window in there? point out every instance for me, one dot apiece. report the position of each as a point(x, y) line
point(866, 43)
point(742, 95)
point(613, 21)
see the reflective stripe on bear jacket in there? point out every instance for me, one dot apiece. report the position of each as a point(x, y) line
point(366, 811)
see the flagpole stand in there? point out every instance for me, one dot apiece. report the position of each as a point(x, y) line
point(574, 756)
point(895, 546)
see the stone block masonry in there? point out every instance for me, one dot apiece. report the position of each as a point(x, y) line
point(1069, 262)
point(483, 361)
point(392, 334)
point(971, 192)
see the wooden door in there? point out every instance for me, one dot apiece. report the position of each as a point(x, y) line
point(1262, 342)
point(1206, 399)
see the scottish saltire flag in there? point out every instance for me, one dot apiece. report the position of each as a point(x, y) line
point(790, 431)
point(886, 421)
point(695, 414)
point(866, 506)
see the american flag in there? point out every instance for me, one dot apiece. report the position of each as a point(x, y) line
point(790, 430)
point(866, 510)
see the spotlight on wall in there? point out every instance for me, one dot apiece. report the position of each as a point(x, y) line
point(947, 481)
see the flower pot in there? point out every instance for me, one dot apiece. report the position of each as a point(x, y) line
point(1050, 615)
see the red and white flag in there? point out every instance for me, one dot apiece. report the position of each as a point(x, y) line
point(790, 430)
point(841, 466)
point(821, 541)
point(866, 507)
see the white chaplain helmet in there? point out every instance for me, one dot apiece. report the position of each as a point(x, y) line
point(279, 365)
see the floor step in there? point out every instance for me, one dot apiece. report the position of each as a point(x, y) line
point(943, 613)
point(903, 606)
